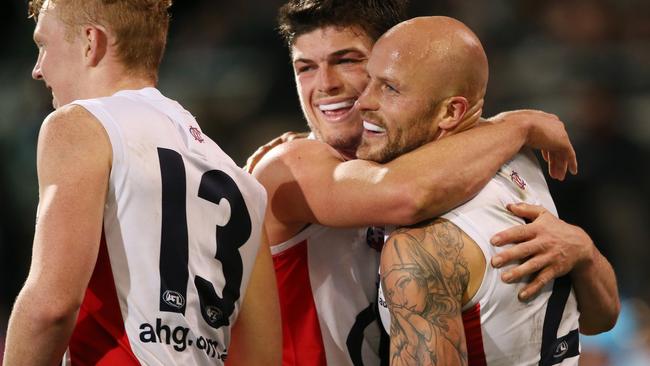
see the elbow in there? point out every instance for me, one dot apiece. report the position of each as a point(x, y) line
point(432, 201)
point(51, 310)
point(57, 313)
point(594, 329)
point(421, 199)
point(415, 205)
point(40, 311)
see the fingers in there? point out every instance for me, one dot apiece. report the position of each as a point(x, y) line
point(515, 234)
point(545, 155)
point(562, 158)
point(475, 111)
point(573, 162)
point(515, 253)
point(557, 166)
point(252, 161)
point(536, 285)
point(290, 136)
point(541, 270)
point(527, 268)
point(568, 155)
point(526, 211)
point(299, 135)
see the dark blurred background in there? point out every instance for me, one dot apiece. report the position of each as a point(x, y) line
point(587, 61)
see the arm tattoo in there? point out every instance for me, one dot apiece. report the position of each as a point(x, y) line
point(424, 283)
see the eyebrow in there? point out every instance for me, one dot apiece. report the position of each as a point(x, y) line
point(334, 54)
point(346, 50)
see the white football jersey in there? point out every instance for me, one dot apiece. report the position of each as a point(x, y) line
point(327, 281)
point(182, 227)
point(500, 329)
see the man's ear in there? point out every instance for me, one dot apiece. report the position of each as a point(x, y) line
point(453, 112)
point(95, 44)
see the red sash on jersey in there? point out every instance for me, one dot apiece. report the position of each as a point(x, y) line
point(99, 337)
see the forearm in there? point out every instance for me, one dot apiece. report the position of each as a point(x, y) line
point(36, 336)
point(449, 171)
point(595, 286)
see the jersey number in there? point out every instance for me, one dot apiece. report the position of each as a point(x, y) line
point(215, 185)
point(554, 350)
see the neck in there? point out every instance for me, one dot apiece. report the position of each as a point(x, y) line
point(106, 84)
point(348, 154)
point(107, 88)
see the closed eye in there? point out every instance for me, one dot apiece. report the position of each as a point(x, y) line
point(304, 68)
point(390, 88)
point(348, 61)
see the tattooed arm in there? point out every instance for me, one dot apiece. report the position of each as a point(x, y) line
point(425, 277)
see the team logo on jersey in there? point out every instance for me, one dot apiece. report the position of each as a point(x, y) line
point(173, 299)
point(196, 133)
point(516, 179)
point(561, 349)
point(375, 237)
point(214, 314)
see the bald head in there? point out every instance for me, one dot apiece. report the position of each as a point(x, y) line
point(427, 80)
point(442, 51)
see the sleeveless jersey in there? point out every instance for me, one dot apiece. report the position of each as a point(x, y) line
point(327, 280)
point(181, 231)
point(500, 329)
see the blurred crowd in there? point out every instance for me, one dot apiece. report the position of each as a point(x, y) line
point(588, 61)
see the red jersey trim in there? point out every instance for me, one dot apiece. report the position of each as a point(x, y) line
point(301, 334)
point(473, 336)
point(99, 337)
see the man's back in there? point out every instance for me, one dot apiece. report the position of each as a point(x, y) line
point(181, 226)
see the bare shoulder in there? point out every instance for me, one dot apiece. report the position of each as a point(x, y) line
point(70, 138)
point(72, 120)
point(298, 151)
point(73, 125)
point(295, 158)
point(435, 247)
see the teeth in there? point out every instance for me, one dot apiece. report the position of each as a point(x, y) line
point(373, 127)
point(335, 106)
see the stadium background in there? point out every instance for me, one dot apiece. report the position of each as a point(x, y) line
point(588, 61)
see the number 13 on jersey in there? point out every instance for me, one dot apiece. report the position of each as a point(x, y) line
point(174, 252)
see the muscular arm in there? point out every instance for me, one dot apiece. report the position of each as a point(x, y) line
point(551, 248)
point(425, 278)
point(308, 182)
point(73, 161)
point(257, 333)
point(594, 278)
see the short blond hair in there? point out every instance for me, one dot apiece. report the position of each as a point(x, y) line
point(140, 26)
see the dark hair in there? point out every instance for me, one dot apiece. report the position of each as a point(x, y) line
point(375, 17)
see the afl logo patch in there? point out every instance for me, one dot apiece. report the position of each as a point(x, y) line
point(561, 349)
point(196, 133)
point(516, 179)
point(214, 315)
point(174, 299)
